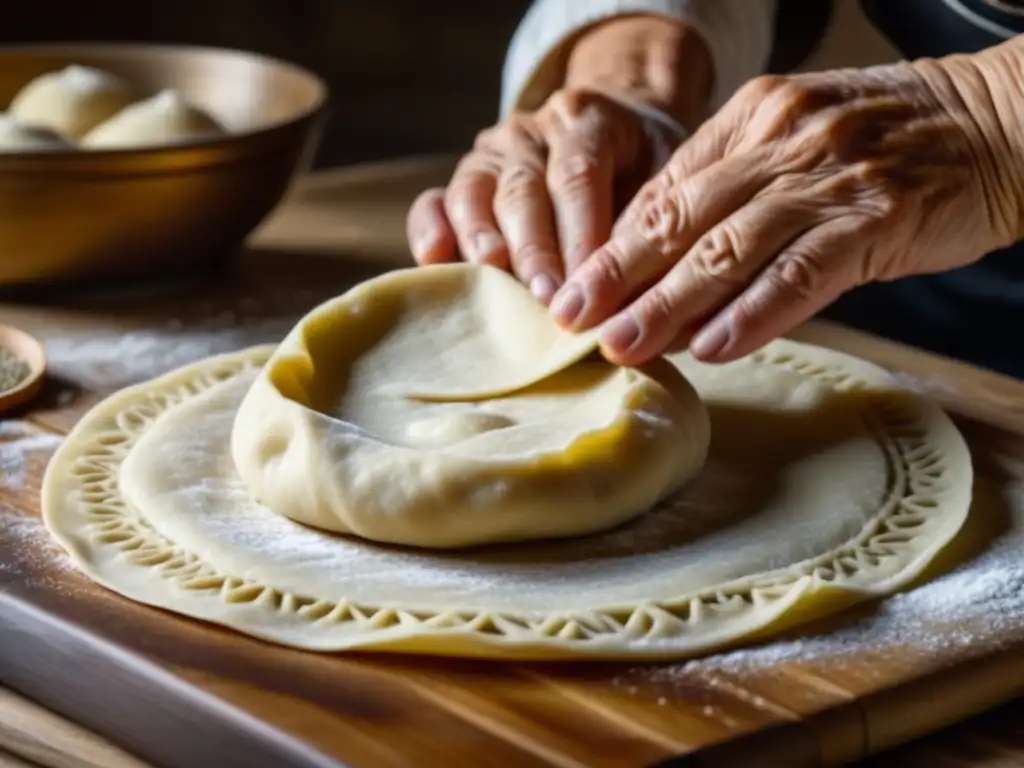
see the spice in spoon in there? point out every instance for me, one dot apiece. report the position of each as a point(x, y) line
point(13, 370)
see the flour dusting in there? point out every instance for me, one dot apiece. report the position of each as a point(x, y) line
point(976, 606)
point(106, 360)
point(101, 358)
point(33, 559)
point(30, 556)
point(926, 387)
point(19, 444)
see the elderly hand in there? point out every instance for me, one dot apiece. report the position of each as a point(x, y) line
point(798, 190)
point(537, 193)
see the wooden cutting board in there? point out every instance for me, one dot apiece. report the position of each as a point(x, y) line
point(178, 693)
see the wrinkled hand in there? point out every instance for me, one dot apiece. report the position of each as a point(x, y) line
point(798, 190)
point(537, 194)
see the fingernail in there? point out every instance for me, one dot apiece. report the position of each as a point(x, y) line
point(710, 340)
point(486, 244)
point(567, 304)
point(543, 287)
point(621, 334)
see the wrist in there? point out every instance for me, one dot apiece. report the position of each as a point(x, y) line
point(649, 60)
point(990, 84)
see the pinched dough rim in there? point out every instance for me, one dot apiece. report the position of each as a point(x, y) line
point(930, 493)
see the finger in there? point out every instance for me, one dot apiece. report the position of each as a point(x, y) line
point(431, 237)
point(715, 270)
point(718, 136)
point(469, 205)
point(660, 228)
point(708, 144)
point(524, 213)
point(807, 276)
point(580, 179)
point(705, 148)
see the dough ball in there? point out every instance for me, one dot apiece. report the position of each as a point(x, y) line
point(548, 443)
point(166, 118)
point(15, 136)
point(72, 101)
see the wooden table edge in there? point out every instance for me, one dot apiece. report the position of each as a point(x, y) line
point(925, 706)
point(154, 693)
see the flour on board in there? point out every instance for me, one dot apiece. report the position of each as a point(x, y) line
point(103, 360)
point(33, 559)
point(975, 607)
point(20, 444)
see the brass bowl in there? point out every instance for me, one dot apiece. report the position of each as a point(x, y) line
point(94, 215)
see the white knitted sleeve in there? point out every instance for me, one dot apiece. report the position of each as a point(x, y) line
point(738, 34)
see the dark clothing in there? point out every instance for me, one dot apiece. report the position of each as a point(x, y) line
point(974, 313)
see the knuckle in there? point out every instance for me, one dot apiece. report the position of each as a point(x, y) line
point(887, 206)
point(470, 232)
point(470, 169)
point(565, 100)
point(458, 194)
point(517, 184)
point(515, 135)
point(581, 170)
point(791, 104)
point(792, 93)
point(660, 220)
point(646, 195)
point(433, 197)
point(800, 274)
point(570, 102)
point(718, 255)
point(570, 111)
point(523, 141)
point(531, 257)
point(468, 165)
point(488, 139)
point(873, 186)
point(865, 173)
point(883, 205)
point(760, 87)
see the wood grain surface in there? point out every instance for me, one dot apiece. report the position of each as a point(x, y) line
point(29, 732)
point(173, 692)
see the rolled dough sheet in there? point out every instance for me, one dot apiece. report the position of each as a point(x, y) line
point(824, 485)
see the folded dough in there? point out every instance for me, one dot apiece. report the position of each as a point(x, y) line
point(442, 407)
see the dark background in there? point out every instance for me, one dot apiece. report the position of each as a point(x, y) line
point(406, 76)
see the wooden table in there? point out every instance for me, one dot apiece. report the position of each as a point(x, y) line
point(178, 693)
